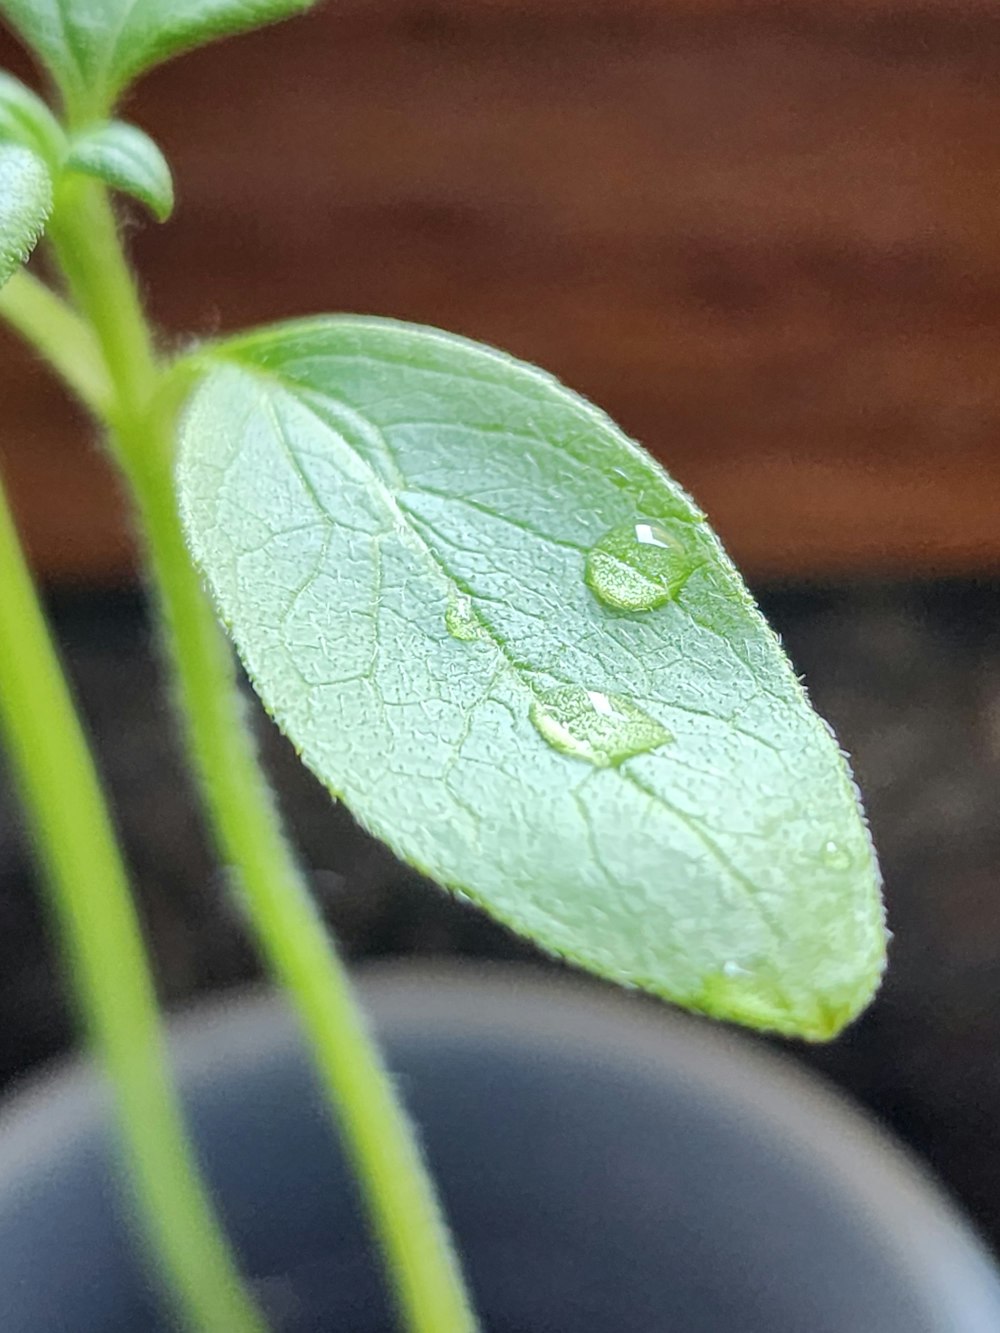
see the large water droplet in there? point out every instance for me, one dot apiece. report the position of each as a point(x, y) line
point(462, 621)
point(604, 729)
point(638, 566)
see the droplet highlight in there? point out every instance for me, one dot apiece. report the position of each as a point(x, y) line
point(731, 968)
point(603, 729)
point(462, 621)
point(638, 566)
point(835, 857)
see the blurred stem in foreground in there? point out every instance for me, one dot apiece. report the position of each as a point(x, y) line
point(93, 907)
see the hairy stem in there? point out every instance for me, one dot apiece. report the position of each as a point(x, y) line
point(296, 945)
point(93, 907)
point(399, 1194)
point(83, 234)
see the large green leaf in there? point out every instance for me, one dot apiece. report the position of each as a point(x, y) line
point(94, 48)
point(25, 203)
point(494, 626)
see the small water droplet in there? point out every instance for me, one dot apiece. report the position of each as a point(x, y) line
point(604, 729)
point(731, 968)
point(835, 856)
point(462, 621)
point(638, 566)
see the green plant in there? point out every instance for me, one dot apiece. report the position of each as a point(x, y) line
point(490, 623)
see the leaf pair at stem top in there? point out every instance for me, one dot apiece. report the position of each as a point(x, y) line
point(93, 49)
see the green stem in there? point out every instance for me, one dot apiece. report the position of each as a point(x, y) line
point(93, 906)
point(291, 936)
point(83, 234)
point(62, 338)
point(400, 1196)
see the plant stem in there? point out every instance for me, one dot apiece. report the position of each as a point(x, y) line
point(292, 937)
point(61, 337)
point(85, 239)
point(396, 1186)
point(93, 907)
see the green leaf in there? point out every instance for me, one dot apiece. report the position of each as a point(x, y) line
point(25, 204)
point(127, 159)
point(494, 626)
point(25, 119)
point(95, 48)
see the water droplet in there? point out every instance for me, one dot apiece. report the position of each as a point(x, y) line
point(462, 621)
point(731, 968)
point(604, 729)
point(835, 856)
point(638, 566)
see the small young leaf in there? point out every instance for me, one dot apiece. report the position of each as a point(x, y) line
point(94, 48)
point(25, 204)
point(495, 627)
point(123, 157)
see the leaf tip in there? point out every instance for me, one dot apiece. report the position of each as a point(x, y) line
point(753, 999)
point(122, 156)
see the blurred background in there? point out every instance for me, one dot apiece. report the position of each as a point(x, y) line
point(766, 237)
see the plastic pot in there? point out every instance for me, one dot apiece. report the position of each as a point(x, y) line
point(607, 1165)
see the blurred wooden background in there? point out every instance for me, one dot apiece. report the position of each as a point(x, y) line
point(765, 236)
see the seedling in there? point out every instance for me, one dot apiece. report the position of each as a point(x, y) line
point(488, 621)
